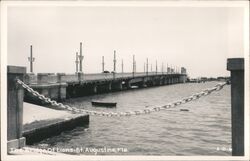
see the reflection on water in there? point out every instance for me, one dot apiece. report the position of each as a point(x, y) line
point(203, 130)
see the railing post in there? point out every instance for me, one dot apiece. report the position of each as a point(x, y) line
point(59, 77)
point(42, 78)
point(236, 67)
point(15, 95)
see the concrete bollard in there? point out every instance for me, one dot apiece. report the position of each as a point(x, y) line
point(15, 96)
point(236, 67)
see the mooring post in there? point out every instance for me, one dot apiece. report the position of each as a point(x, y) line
point(15, 96)
point(236, 67)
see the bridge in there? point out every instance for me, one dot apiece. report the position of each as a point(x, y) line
point(50, 83)
point(61, 86)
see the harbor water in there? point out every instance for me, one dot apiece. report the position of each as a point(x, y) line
point(203, 130)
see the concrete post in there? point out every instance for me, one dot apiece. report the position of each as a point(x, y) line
point(30, 78)
point(15, 95)
point(236, 67)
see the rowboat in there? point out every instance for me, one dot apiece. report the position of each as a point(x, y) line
point(105, 104)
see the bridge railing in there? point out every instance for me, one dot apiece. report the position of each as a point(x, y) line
point(42, 78)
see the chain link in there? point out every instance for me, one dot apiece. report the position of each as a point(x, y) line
point(195, 96)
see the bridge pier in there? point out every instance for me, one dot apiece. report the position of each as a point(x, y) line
point(94, 89)
point(236, 67)
point(80, 76)
point(116, 86)
point(103, 88)
point(172, 80)
point(183, 79)
point(176, 80)
point(165, 81)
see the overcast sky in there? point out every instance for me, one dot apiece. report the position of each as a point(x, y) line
point(200, 39)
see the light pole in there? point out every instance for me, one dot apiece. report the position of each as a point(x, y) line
point(114, 61)
point(103, 64)
point(31, 59)
point(76, 61)
point(81, 57)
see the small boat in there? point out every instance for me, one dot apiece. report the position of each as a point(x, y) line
point(105, 104)
point(184, 110)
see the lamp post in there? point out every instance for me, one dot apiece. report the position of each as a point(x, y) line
point(77, 62)
point(80, 57)
point(31, 59)
point(103, 64)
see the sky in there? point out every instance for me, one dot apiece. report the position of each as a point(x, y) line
point(197, 38)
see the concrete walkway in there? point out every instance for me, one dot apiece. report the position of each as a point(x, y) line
point(33, 113)
point(41, 122)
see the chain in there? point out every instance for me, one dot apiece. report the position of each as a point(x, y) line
point(195, 96)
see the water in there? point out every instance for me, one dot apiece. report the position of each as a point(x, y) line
point(204, 130)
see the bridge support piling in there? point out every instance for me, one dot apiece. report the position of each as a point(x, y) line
point(117, 86)
point(95, 89)
point(236, 67)
point(80, 76)
point(15, 94)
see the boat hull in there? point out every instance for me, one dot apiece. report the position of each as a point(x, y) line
point(104, 104)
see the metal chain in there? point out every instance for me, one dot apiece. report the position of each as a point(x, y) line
point(195, 96)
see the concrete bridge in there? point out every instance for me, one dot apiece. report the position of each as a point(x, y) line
point(61, 86)
point(57, 84)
